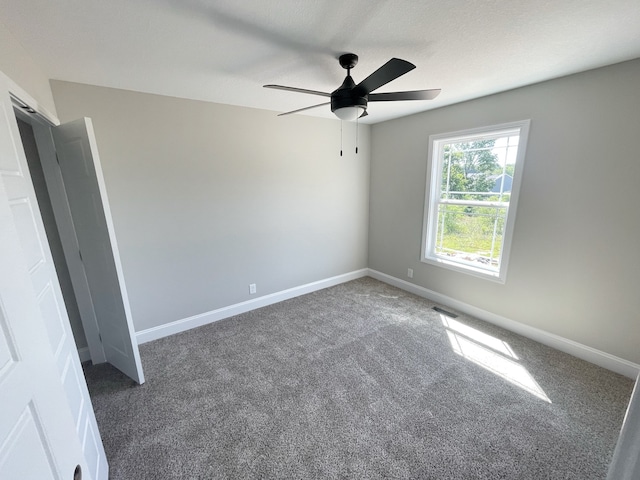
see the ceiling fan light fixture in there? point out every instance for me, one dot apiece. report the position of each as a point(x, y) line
point(349, 114)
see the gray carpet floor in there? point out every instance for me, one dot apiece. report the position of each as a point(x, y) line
point(361, 380)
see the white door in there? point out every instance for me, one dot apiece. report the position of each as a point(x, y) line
point(84, 184)
point(66, 231)
point(47, 424)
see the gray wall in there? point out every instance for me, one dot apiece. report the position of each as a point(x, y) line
point(575, 262)
point(208, 198)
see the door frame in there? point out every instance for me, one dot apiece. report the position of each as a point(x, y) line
point(64, 224)
point(42, 122)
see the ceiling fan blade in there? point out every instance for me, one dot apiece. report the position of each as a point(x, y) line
point(391, 70)
point(299, 90)
point(305, 108)
point(410, 95)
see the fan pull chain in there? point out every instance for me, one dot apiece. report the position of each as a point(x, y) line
point(341, 122)
point(357, 128)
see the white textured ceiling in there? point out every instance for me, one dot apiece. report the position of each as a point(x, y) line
point(224, 51)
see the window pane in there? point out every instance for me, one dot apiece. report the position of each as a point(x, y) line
point(471, 234)
point(470, 170)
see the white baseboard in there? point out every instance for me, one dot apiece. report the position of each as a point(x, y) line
point(178, 326)
point(84, 354)
point(597, 357)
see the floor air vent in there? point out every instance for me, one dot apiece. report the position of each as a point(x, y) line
point(445, 312)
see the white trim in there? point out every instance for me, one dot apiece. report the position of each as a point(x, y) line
point(84, 354)
point(597, 357)
point(185, 324)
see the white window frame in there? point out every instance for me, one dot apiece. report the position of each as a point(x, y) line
point(432, 197)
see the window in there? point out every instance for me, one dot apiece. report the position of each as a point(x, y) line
point(471, 198)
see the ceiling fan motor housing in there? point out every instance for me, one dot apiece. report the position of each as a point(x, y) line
point(347, 95)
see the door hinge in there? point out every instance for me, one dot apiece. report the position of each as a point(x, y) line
point(80, 255)
point(57, 158)
point(100, 337)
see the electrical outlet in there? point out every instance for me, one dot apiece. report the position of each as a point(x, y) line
point(410, 272)
point(252, 288)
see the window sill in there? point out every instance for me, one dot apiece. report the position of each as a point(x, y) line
point(498, 277)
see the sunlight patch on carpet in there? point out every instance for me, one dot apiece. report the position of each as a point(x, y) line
point(492, 354)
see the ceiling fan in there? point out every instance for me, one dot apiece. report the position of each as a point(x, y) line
point(349, 101)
